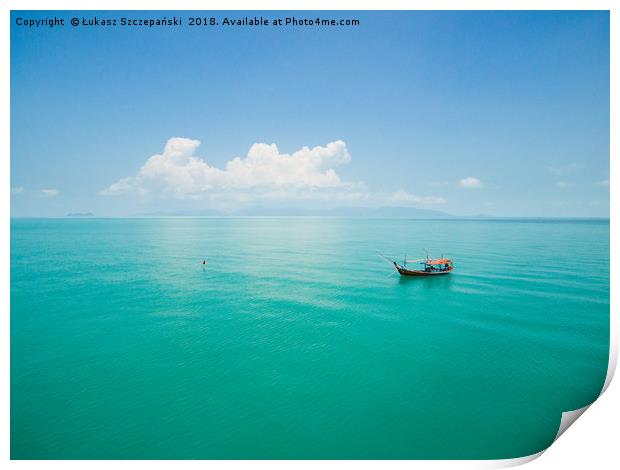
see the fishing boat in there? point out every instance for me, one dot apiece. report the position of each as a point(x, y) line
point(428, 266)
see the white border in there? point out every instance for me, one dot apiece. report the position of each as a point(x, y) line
point(590, 442)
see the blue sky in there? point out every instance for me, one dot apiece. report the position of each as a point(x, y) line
point(497, 113)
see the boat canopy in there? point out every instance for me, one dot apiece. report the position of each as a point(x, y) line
point(439, 261)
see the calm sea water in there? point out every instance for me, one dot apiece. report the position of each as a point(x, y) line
point(296, 342)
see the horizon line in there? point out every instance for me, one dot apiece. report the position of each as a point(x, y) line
point(273, 216)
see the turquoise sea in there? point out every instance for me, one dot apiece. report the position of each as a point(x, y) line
point(295, 341)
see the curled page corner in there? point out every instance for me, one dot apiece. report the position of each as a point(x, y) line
point(506, 463)
point(566, 421)
point(613, 360)
point(568, 418)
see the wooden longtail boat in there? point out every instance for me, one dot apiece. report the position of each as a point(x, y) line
point(431, 267)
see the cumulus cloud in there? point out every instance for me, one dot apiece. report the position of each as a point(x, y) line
point(470, 183)
point(264, 175)
point(178, 173)
point(50, 192)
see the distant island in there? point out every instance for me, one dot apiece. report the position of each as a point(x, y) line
point(80, 214)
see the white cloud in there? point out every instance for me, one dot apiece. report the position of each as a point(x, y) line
point(427, 200)
point(603, 183)
point(51, 192)
point(178, 173)
point(17, 190)
point(263, 175)
point(562, 184)
point(564, 169)
point(470, 183)
point(403, 197)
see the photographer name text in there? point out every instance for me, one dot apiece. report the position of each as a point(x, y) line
point(179, 21)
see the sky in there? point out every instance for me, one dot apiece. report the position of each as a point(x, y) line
point(496, 113)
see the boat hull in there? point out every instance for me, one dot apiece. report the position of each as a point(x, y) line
point(407, 272)
point(420, 272)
